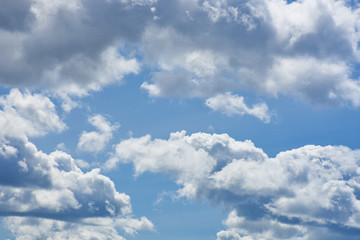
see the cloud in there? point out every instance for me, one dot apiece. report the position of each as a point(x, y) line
point(40, 192)
point(37, 184)
point(88, 229)
point(304, 49)
point(131, 225)
point(96, 141)
point(27, 115)
point(69, 47)
point(228, 235)
point(291, 196)
point(234, 105)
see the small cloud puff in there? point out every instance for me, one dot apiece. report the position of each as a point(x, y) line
point(96, 141)
point(230, 105)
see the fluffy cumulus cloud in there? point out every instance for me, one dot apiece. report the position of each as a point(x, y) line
point(234, 105)
point(27, 115)
point(68, 47)
point(40, 192)
point(304, 193)
point(304, 49)
point(96, 141)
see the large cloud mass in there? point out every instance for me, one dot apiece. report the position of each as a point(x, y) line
point(69, 47)
point(49, 191)
point(295, 195)
point(305, 49)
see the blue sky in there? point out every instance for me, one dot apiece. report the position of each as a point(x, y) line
point(186, 119)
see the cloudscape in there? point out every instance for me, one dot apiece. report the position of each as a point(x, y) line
point(183, 119)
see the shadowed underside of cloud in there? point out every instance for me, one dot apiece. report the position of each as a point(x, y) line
point(41, 192)
point(305, 49)
point(304, 193)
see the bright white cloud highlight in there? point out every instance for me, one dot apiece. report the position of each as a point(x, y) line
point(96, 141)
point(234, 105)
point(26, 114)
point(314, 185)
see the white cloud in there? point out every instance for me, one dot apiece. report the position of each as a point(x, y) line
point(68, 47)
point(131, 225)
point(49, 191)
point(291, 196)
point(153, 156)
point(199, 48)
point(263, 228)
point(234, 105)
point(229, 235)
point(302, 50)
point(96, 141)
point(110, 67)
point(36, 184)
point(87, 229)
point(27, 115)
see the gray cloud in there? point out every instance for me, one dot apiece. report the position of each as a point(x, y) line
point(268, 46)
point(69, 46)
point(304, 49)
point(36, 184)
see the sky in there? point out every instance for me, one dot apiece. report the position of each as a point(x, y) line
point(181, 119)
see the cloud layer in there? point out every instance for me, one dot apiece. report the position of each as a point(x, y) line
point(304, 49)
point(296, 195)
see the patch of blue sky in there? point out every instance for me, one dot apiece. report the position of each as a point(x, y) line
point(5, 233)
